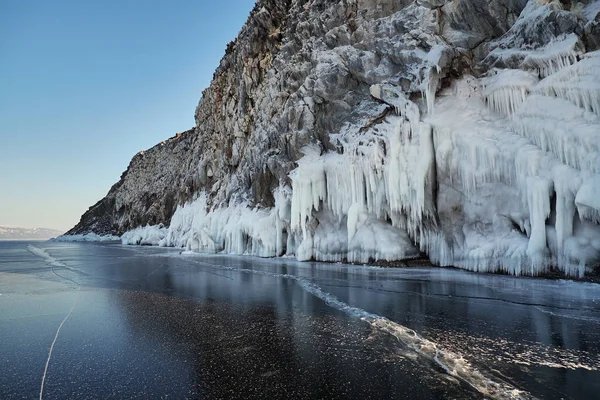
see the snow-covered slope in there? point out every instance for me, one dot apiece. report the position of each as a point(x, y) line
point(14, 233)
point(466, 130)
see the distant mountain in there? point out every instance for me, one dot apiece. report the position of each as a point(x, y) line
point(7, 233)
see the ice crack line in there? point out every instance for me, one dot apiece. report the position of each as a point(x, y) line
point(453, 363)
point(53, 262)
point(54, 342)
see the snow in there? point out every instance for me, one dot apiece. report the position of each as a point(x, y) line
point(591, 10)
point(88, 237)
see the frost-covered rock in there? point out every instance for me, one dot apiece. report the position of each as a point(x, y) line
point(362, 130)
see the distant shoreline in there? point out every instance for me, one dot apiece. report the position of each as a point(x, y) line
point(24, 240)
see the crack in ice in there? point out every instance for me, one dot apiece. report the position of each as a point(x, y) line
point(54, 342)
point(452, 363)
point(53, 262)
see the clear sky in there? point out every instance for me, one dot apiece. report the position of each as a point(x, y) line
point(85, 85)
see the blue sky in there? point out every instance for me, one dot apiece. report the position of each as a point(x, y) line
point(84, 85)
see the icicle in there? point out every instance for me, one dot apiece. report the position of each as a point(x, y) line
point(436, 56)
point(425, 166)
point(580, 84)
point(309, 188)
point(507, 89)
point(429, 87)
point(588, 199)
point(395, 97)
point(556, 55)
point(565, 207)
point(559, 127)
point(539, 192)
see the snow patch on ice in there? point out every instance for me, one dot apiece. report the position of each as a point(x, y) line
point(520, 352)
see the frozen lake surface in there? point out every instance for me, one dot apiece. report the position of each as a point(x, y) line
point(105, 321)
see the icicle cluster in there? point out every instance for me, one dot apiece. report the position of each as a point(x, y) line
point(555, 56)
point(505, 90)
point(233, 230)
point(374, 191)
point(529, 161)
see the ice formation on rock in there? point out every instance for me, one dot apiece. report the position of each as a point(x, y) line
point(458, 130)
point(510, 184)
point(145, 236)
point(505, 90)
point(235, 230)
point(526, 159)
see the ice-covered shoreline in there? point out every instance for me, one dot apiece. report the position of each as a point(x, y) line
point(88, 237)
point(373, 202)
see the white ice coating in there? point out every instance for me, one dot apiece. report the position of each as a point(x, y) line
point(505, 176)
point(546, 60)
point(505, 90)
point(555, 56)
point(145, 236)
point(579, 84)
point(235, 230)
point(340, 202)
point(546, 153)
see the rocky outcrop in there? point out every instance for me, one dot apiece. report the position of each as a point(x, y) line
point(148, 191)
point(347, 106)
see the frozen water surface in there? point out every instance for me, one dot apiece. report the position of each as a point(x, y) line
point(142, 322)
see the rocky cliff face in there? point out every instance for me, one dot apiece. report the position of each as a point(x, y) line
point(364, 130)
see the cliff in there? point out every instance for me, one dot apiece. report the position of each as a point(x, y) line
point(362, 130)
